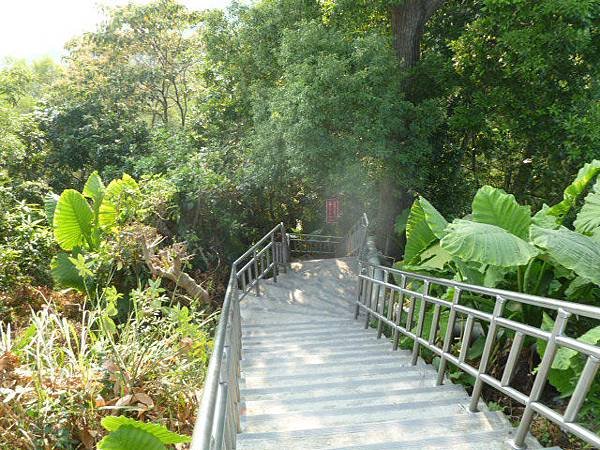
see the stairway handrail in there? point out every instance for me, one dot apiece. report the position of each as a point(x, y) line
point(218, 417)
point(384, 301)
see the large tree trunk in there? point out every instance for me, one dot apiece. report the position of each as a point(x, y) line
point(408, 21)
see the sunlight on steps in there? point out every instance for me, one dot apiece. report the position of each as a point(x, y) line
point(314, 378)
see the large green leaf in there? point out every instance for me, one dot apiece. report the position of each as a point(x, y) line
point(495, 207)
point(113, 423)
point(50, 201)
point(486, 244)
point(543, 219)
point(418, 234)
point(118, 194)
point(576, 252)
point(584, 177)
point(72, 220)
point(437, 223)
point(64, 273)
point(425, 225)
point(401, 219)
point(94, 188)
point(130, 438)
point(434, 258)
point(588, 218)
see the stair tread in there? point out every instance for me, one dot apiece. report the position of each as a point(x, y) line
point(373, 432)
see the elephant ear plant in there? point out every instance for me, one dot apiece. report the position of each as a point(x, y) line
point(501, 244)
point(130, 434)
point(81, 219)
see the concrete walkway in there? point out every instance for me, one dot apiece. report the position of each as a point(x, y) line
point(314, 378)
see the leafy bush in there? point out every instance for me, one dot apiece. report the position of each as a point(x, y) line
point(26, 244)
point(60, 376)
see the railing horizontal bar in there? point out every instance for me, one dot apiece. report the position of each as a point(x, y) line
point(245, 267)
point(573, 308)
point(473, 312)
point(314, 252)
point(293, 235)
point(255, 246)
point(574, 428)
point(265, 248)
point(523, 328)
point(579, 346)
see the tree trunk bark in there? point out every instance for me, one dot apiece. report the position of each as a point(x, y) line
point(408, 21)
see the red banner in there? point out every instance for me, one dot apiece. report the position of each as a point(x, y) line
point(333, 209)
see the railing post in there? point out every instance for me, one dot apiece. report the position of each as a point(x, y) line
point(416, 344)
point(273, 254)
point(487, 350)
point(540, 379)
point(284, 251)
point(448, 337)
point(255, 259)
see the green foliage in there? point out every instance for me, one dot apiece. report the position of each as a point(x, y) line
point(486, 244)
point(501, 244)
point(588, 218)
point(80, 227)
point(568, 365)
point(158, 431)
point(496, 207)
point(26, 244)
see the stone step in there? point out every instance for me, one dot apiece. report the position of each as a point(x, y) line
point(374, 347)
point(330, 341)
point(302, 368)
point(403, 432)
point(486, 440)
point(304, 420)
point(357, 385)
point(354, 400)
point(333, 346)
point(295, 329)
point(254, 362)
point(334, 375)
point(324, 335)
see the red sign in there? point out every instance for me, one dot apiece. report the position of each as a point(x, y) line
point(333, 209)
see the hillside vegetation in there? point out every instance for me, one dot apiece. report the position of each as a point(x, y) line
point(167, 140)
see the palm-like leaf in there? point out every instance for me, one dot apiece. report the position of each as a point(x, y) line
point(418, 234)
point(576, 252)
point(72, 220)
point(50, 201)
point(116, 195)
point(486, 244)
point(495, 207)
point(437, 223)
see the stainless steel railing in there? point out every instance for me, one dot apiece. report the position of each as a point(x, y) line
point(395, 306)
point(356, 239)
point(314, 244)
point(218, 420)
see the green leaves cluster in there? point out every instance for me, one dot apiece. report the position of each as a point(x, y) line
point(81, 219)
point(503, 237)
point(501, 244)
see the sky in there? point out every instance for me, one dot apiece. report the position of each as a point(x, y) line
point(34, 28)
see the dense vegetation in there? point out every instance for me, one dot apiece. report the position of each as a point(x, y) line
point(135, 170)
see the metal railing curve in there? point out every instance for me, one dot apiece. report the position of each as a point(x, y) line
point(409, 303)
point(218, 419)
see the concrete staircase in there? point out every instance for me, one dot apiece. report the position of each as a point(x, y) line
point(314, 378)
